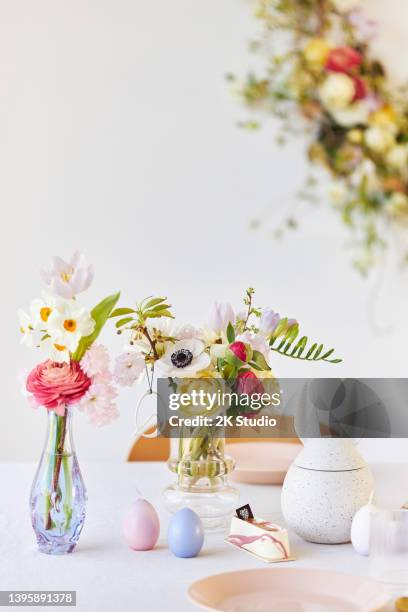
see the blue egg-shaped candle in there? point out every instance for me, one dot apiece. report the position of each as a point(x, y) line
point(185, 535)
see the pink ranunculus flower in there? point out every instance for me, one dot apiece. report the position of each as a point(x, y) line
point(56, 385)
point(343, 59)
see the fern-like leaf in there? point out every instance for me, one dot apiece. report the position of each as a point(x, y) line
point(285, 342)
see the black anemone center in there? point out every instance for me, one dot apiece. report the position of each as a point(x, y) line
point(181, 358)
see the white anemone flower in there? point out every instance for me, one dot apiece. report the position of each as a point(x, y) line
point(184, 358)
point(67, 279)
point(68, 323)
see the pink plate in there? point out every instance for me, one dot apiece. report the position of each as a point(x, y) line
point(287, 590)
point(262, 462)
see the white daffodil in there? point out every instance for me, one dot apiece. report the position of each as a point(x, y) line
point(67, 279)
point(57, 352)
point(68, 323)
point(184, 358)
point(27, 328)
point(41, 309)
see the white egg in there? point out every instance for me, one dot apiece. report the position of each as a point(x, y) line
point(360, 528)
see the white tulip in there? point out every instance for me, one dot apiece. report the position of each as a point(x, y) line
point(397, 157)
point(337, 91)
point(344, 6)
point(379, 139)
point(219, 317)
point(354, 114)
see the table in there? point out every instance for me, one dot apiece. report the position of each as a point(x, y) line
point(108, 576)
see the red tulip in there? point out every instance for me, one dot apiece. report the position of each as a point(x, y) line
point(239, 350)
point(360, 89)
point(248, 384)
point(343, 59)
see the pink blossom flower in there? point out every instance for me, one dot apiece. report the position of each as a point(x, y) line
point(364, 27)
point(67, 279)
point(129, 367)
point(56, 385)
point(186, 332)
point(98, 403)
point(96, 360)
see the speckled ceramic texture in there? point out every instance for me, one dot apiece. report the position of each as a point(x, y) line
point(329, 454)
point(319, 505)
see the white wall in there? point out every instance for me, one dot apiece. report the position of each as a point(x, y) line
point(118, 136)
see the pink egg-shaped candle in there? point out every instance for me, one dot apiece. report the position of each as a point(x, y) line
point(141, 526)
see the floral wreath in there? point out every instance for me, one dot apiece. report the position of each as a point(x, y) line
point(319, 68)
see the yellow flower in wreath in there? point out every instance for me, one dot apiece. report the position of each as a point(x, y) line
point(316, 52)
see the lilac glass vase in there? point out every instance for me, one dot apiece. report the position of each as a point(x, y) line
point(58, 495)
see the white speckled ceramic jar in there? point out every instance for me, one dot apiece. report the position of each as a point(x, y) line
point(323, 489)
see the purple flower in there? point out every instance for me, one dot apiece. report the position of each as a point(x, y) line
point(365, 28)
point(269, 321)
point(219, 317)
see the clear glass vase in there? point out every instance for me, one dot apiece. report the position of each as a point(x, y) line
point(58, 494)
point(202, 468)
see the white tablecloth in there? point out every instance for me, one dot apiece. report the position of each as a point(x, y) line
point(108, 576)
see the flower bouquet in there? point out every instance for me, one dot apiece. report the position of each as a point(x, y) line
point(231, 350)
point(76, 372)
point(320, 77)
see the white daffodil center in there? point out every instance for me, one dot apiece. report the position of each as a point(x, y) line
point(60, 347)
point(70, 325)
point(45, 313)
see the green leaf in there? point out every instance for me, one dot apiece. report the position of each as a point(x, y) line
point(122, 322)
point(153, 302)
point(230, 333)
point(100, 315)
point(255, 366)
point(311, 350)
point(300, 346)
point(159, 307)
point(156, 315)
point(233, 360)
point(259, 359)
point(313, 354)
point(229, 372)
point(118, 312)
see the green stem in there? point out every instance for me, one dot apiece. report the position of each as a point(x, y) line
point(56, 452)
